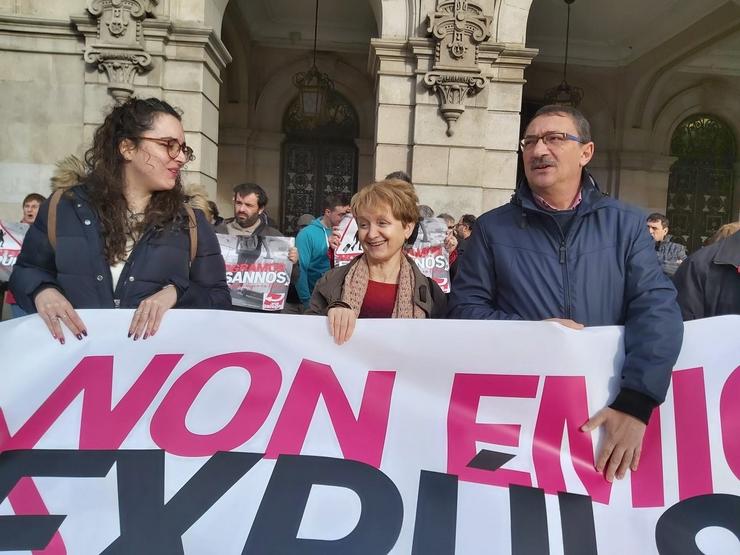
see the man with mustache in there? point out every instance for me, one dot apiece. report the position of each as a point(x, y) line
point(561, 250)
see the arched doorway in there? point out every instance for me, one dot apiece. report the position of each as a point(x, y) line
point(701, 183)
point(317, 160)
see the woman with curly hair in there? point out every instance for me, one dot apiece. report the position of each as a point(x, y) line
point(383, 282)
point(123, 237)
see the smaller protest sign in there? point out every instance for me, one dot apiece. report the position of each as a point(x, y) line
point(429, 253)
point(257, 270)
point(11, 239)
point(349, 242)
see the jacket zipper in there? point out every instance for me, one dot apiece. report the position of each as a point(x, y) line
point(566, 280)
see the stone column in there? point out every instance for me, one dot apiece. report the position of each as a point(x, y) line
point(180, 62)
point(643, 179)
point(448, 109)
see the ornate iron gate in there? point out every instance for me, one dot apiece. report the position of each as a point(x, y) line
point(318, 160)
point(701, 183)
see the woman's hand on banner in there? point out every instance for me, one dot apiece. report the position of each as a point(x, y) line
point(341, 323)
point(148, 316)
point(54, 308)
point(293, 255)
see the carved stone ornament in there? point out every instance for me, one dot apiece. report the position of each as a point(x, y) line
point(118, 48)
point(459, 26)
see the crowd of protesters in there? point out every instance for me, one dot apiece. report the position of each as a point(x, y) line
point(125, 235)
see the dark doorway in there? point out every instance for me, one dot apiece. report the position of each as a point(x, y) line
point(318, 160)
point(701, 183)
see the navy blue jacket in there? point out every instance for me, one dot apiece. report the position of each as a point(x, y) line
point(518, 265)
point(79, 270)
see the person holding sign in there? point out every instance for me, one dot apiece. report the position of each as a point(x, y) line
point(563, 251)
point(123, 236)
point(382, 282)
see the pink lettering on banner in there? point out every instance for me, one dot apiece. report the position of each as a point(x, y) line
point(729, 415)
point(168, 429)
point(647, 482)
point(361, 439)
point(26, 500)
point(463, 430)
point(692, 433)
point(101, 427)
point(564, 405)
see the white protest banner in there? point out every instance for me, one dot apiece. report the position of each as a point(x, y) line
point(231, 433)
point(11, 240)
point(257, 270)
point(429, 253)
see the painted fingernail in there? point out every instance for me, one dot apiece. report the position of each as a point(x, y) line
point(79, 336)
point(145, 336)
point(61, 340)
point(130, 334)
point(136, 337)
point(84, 332)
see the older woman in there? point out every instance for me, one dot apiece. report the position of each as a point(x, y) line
point(383, 282)
point(122, 236)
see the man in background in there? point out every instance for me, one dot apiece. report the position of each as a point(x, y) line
point(313, 244)
point(30, 210)
point(670, 254)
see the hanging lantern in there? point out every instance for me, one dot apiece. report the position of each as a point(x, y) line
point(313, 86)
point(313, 89)
point(564, 93)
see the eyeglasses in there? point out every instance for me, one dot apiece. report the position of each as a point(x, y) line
point(173, 147)
point(551, 139)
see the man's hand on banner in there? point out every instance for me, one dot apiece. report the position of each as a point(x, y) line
point(148, 316)
point(54, 308)
point(293, 255)
point(622, 444)
point(341, 323)
point(567, 323)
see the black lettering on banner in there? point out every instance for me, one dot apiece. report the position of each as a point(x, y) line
point(675, 533)
point(18, 533)
point(436, 514)
point(577, 524)
point(528, 521)
point(150, 526)
point(279, 516)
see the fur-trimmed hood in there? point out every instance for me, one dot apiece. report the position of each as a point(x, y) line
point(71, 171)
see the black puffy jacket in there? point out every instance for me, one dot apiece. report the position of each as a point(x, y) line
point(78, 268)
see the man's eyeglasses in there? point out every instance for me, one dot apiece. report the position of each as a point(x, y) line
point(552, 139)
point(173, 147)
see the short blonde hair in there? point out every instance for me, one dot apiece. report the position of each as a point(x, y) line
point(397, 195)
point(724, 232)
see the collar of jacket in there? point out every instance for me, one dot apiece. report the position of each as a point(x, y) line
point(591, 196)
point(729, 251)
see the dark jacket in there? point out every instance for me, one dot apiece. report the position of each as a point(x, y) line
point(427, 294)
point(708, 282)
point(519, 265)
point(670, 255)
point(78, 268)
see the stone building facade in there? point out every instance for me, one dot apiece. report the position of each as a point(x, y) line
point(431, 87)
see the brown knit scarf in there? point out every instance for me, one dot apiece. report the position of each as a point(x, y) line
point(355, 287)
